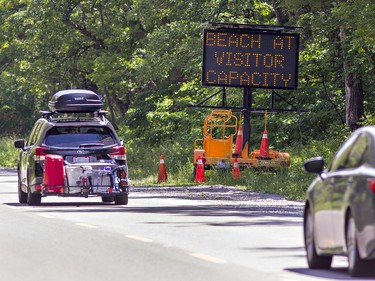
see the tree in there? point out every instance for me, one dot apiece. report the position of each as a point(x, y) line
point(347, 31)
point(145, 57)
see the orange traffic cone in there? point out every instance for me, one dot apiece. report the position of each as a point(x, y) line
point(239, 140)
point(236, 169)
point(264, 146)
point(199, 174)
point(264, 150)
point(162, 175)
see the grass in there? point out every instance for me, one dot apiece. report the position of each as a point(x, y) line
point(292, 182)
point(144, 165)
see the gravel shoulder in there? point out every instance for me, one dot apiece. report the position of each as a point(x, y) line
point(4, 171)
point(231, 198)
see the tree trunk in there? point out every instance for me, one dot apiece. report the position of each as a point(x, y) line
point(354, 102)
point(280, 16)
point(353, 90)
point(107, 95)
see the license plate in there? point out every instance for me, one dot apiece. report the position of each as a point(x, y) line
point(81, 159)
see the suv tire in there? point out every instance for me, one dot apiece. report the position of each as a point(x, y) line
point(33, 199)
point(22, 196)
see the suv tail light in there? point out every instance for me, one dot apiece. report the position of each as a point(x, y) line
point(40, 153)
point(119, 153)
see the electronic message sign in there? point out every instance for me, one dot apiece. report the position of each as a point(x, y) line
point(243, 58)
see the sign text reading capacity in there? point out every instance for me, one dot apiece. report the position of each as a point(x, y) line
point(243, 59)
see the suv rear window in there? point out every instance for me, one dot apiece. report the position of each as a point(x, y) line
point(79, 136)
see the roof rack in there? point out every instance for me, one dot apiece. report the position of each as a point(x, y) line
point(80, 116)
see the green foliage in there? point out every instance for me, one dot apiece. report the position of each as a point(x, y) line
point(8, 153)
point(145, 57)
point(144, 159)
point(368, 119)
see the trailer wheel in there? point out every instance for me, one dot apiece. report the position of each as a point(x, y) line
point(121, 199)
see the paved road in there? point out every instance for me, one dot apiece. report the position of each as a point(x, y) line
point(153, 238)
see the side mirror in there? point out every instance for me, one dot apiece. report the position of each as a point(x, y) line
point(314, 165)
point(19, 143)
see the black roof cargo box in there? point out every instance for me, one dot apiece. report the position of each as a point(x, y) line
point(75, 101)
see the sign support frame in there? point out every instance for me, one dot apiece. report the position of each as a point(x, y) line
point(247, 106)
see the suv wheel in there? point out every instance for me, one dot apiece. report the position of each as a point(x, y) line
point(22, 196)
point(33, 199)
point(121, 199)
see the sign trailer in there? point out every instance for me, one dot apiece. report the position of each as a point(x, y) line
point(247, 56)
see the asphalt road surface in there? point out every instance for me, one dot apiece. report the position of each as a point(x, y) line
point(155, 237)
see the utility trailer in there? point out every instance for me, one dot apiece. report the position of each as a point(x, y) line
point(61, 178)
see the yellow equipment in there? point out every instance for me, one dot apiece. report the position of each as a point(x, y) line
point(216, 147)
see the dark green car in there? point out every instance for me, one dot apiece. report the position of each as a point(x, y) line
point(339, 217)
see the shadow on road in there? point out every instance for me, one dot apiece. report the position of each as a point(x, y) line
point(337, 273)
point(46, 206)
point(263, 215)
point(232, 204)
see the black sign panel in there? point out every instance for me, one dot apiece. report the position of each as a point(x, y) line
point(242, 58)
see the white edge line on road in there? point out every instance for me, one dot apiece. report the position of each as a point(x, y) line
point(86, 225)
point(139, 238)
point(46, 216)
point(208, 258)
